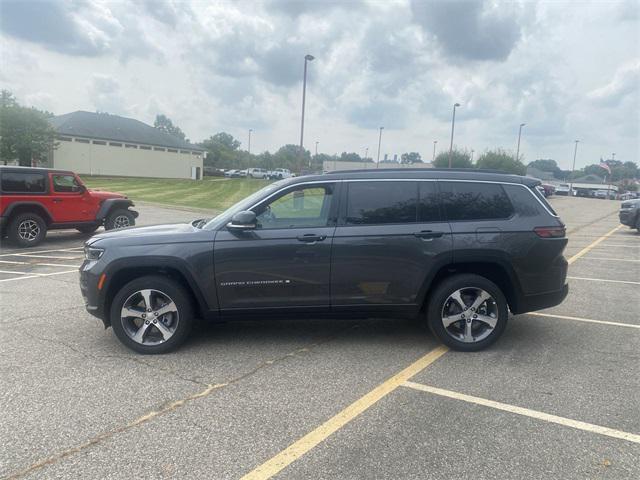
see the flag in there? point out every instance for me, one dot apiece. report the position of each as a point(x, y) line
point(605, 165)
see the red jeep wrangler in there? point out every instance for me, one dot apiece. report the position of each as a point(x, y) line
point(33, 200)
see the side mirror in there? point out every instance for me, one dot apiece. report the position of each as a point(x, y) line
point(245, 220)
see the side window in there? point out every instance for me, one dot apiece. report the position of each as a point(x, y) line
point(23, 182)
point(429, 203)
point(379, 203)
point(65, 184)
point(307, 206)
point(475, 201)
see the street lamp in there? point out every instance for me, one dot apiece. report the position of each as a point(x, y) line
point(453, 124)
point(575, 151)
point(379, 142)
point(249, 149)
point(317, 148)
point(613, 156)
point(434, 151)
point(519, 135)
point(472, 152)
point(307, 58)
point(366, 154)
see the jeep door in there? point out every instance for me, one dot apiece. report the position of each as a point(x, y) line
point(285, 261)
point(389, 241)
point(68, 200)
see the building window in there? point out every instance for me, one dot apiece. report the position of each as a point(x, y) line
point(128, 145)
point(195, 153)
point(172, 150)
point(144, 147)
point(159, 149)
point(115, 144)
point(65, 139)
point(82, 140)
point(99, 142)
point(184, 151)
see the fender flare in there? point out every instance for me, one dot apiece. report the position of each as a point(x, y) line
point(32, 205)
point(110, 204)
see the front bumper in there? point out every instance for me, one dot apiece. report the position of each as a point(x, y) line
point(89, 278)
point(628, 217)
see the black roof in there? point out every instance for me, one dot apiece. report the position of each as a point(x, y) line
point(105, 126)
point(428, 173)
point(22, 169)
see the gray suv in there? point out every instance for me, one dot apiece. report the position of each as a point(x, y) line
point(459, 249)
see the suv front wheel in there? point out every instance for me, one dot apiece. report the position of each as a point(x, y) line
point(467, 312)
point(27, 230)
point(119, 219)
point(152, 314)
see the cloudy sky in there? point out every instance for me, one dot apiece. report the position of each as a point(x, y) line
point(569, 70)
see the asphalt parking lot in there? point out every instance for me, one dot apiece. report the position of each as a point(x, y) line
point(556, 397)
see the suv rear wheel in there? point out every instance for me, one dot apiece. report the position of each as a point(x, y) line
point(467, 312)
point(119, 219)
point(27, 229)
point(152, 314)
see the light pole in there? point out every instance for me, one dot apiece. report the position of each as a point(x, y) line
point(575, 151)
point(249, 148)
point(379, 142)
point(519, 135)
point(453, 124)
point(317, 148)
point(472, 152)
point(613, 156)
point(366, 154)
point(307, 58)
point(435, 142)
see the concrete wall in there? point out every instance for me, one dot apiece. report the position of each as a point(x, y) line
point(330, 165)
point(114, 158)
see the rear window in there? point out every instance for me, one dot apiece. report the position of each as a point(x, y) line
point(16, 182)
point(379, 203)
point(542, 198)
point(475, 201)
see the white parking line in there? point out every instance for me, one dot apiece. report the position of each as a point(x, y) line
point(527, 412)
point(36, 275)
point(16, 273)
point(38, 264)
point(604, 280)
point(44, 256)
point(74, 249)
point(587, 320)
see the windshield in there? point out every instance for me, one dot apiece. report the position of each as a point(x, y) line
point(243, 204)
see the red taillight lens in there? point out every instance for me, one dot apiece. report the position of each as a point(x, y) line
point(550, 232)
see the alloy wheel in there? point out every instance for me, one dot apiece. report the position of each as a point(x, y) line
point(28, 230)
point(121, 221)
point(149, 317)
point(470, 314)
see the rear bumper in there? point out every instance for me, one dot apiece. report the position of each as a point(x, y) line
point(531, 303)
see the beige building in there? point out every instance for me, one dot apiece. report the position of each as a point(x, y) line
point(104, 144)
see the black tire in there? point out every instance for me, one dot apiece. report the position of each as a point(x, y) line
point(117, 217)
point(27, 230)
point(440, 299)
point(88, 230)
point(162, 285)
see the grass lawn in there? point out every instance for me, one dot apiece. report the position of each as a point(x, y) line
point(211, 193)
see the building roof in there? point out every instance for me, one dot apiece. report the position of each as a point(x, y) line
point(105, 126)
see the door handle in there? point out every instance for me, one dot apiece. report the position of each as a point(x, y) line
point(311, 238)
point(428, 234)
point(57, 200)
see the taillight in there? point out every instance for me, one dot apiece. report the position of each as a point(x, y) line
point(550, 232)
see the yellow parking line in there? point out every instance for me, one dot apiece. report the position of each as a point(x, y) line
point(567, 422)
point(593, 244)
point(610, 259)
point(586, 320)
point(297, 449)
point(604, 280)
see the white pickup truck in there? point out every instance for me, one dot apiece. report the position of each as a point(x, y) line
point(280, 173)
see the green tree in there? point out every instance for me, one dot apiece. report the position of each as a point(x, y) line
point(25, 133)
point(459, 159)
point(500, 160)
point(222, 151)
point(288, 156)
point(411, 158)
point(164, 124)
point(350, 157)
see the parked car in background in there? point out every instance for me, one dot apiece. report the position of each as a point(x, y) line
point(548, 189)
point(563, 189)
point(458, 250)
point(230, 173)
point(630, 214)
point(257, 173)
point(604, 194)
point(34, 200)
point(280, 173)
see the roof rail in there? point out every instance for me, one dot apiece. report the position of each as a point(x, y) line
point(409, 169)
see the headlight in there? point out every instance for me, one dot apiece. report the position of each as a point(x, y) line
point(93, 253)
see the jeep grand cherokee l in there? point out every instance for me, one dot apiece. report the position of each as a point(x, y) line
point(459, 249)
point(34, 200)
